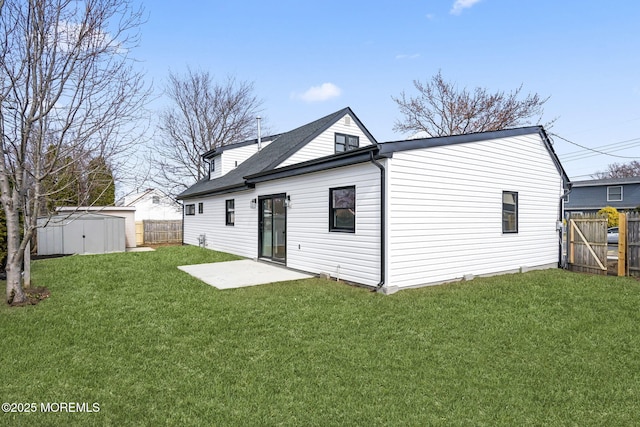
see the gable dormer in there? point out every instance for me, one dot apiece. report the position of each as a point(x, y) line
point(346, 133)
point(224, 159)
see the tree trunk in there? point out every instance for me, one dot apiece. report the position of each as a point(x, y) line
point(26, 277)
point(15, 293)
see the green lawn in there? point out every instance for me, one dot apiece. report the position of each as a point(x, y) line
point(153, 346)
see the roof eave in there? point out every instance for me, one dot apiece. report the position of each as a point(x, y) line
point(347, 158)
point(224, 190)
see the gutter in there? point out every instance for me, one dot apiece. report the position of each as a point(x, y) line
point(383, 221)
point(223, 190)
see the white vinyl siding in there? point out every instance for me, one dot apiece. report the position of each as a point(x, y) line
point(311, 247)
point(445, 210)
point(231, 157)
point(241, 239)
point(324, 144)
point(216, 171)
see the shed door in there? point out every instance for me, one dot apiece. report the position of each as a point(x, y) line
point(94, 236)
point(84, 236)
point(73, 242)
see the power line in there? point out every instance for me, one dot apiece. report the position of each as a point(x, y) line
point(627, 142)
point(584, 155)
point(579, 156)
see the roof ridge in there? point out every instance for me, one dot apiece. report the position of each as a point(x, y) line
point(271, 155)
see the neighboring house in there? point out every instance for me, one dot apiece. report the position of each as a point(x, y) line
point(153, 204)
point(593, 195)
point(327, 198)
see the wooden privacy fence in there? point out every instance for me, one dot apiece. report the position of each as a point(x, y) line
point(587, 249)
point(161, 231)
point(632, 242)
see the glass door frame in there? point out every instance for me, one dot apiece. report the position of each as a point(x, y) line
point(272, 257)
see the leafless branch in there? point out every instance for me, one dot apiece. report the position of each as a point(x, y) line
point(204, 114)
point(441, 109)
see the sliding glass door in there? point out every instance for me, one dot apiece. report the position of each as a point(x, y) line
point(272, 223)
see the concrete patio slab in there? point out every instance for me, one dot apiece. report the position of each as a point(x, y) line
point(140, 249)
point(238, 274)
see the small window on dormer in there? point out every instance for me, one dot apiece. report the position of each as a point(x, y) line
point(155, 200)
point(345, 142)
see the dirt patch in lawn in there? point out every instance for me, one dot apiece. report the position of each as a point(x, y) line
point(34, 296)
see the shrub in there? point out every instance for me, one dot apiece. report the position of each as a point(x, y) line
point(612, 215)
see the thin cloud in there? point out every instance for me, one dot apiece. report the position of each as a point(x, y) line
point(318, 93)
point(405, 56)
point(68, 34)
point(460, 5)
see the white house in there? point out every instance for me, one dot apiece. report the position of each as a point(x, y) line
point(328, 198)
point(153, 204)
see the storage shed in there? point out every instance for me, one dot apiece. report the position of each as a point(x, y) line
point(126, 212)
point(86, 233)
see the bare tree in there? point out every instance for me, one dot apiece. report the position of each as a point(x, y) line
point(67, 85)
point(441, 109)
point(203, 115)
point(620, 170)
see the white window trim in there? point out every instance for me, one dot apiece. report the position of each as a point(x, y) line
point(609, 199)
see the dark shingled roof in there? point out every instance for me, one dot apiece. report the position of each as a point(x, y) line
point(282, 147)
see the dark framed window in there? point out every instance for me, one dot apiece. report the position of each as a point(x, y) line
point(509, 212)
point(344, 142)
point(190, 209)
point(200, 207)
point(155, 200)
point(342, 209)
point(230, 209)
point(614, 194)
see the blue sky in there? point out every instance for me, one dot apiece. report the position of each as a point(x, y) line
point(309, 59)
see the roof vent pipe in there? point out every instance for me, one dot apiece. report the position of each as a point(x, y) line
point(259, 136)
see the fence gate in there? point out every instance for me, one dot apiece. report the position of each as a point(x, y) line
point(633, 244)
point(587, 249)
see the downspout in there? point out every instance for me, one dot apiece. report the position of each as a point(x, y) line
point(182, 204)
point(383, 222)
point(563, 263)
